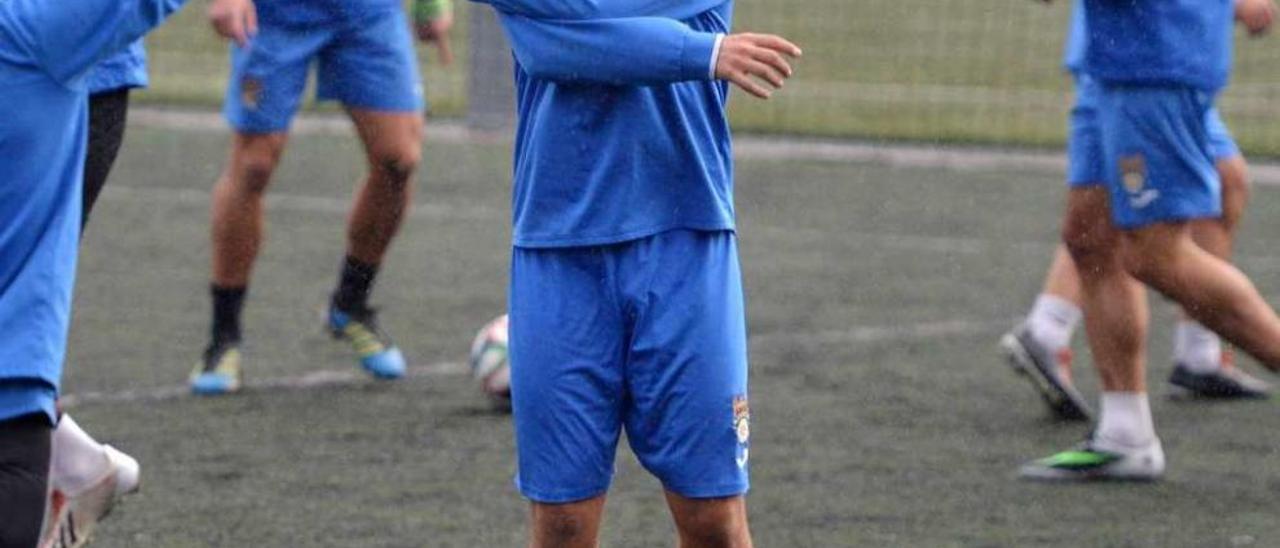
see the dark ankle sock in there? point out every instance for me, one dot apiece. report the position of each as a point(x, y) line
point(227, 303)
point(354, 285)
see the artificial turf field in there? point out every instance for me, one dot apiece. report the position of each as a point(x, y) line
point(883, 415)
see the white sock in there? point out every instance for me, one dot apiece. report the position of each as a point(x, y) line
point(1052, 321)
point(1196, 347)
point(78, 459)
point(1126, 419)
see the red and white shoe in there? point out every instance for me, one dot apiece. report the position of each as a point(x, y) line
point(72, 518)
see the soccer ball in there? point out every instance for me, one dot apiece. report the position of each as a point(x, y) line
point(489, 361)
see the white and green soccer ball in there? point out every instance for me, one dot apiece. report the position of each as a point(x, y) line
point(488, 361)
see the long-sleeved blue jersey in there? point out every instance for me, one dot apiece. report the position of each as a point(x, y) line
point(1077, 41)
point(622, 127)
point(1160, 42)
point(46, 50)
point(126, 69)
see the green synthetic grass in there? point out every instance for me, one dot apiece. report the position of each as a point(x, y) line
point(971, 71)
point(864, 434)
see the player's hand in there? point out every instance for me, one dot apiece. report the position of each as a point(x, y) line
point(436, 31)
point(234, 19)
point(757, 63)
point(1256, 15)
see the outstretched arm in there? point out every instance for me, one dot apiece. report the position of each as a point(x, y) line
point(68, 38)
point(641, 51)
point(628, 51)
point(603, 9)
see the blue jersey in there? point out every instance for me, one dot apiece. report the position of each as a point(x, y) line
point(1160, 42)
point(127, 69)
point(46, 50)
point(297, 13)
point(1077, 42)
point(622, 128)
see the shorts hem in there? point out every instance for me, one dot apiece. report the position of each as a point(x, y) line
point(376, 106)
point(713, 491)
point(1166, 217)
point(560, 497)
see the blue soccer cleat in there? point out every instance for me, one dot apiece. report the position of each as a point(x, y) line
point(218, 371)
point(377, 354)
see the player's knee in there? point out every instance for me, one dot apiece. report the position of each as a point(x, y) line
point(398, 165)
point(1086, 242)
point(254, 170)
point(561, 527)
point(711, 529)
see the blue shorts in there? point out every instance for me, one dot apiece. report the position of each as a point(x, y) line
point(1157, 158)
point(367, 62)
point(1084, 140)
point(648, 335)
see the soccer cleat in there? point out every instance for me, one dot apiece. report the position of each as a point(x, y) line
point(1046, 372)
point(1099, 460)
point(73, 518)
point(378, 355)
point(218, 371)
point(1226, 383)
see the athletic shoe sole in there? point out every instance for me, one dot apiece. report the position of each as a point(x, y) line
point(1064, 402)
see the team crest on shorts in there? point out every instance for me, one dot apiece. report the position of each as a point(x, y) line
point(742, 428)
point(1133, 170)
point(742, 419)
point(250, 91)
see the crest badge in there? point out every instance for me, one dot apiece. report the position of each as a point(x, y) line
point(1133, 171)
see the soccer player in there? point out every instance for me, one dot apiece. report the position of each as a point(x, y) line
point(1159, 66)
point(1040, 347)
point(45, 50)
point(626, 305)
point(365, 59)
point(87, 477)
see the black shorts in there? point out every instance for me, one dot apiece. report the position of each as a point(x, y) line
point(25, 444)
point(107, 114)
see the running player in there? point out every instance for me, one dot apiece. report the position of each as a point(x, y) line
point(626, 299)
point(365, 59)
point(1040, 346)
point(87, 477)
point(45, 50)
point(1159, 66)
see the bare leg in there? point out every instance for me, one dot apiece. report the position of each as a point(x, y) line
point(238, 222)
point(393, 145)
point(1062, 281)
point(1115, 307)
point(710, 523)
point(570, 525)
point(1211, 290)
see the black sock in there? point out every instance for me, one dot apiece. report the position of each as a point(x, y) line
point(227, 303)
point(354, 284)
point(25, 444)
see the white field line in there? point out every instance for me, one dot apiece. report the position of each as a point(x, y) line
point(352, 377)
point(314, 379)
point(749, 147)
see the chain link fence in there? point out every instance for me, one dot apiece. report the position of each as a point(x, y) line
point(957, 71)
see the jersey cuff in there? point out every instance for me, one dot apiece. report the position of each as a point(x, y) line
point(715, 56)
point(699, 49)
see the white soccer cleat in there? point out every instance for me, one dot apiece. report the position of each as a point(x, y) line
point(72, 518)
point(1100, 459)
